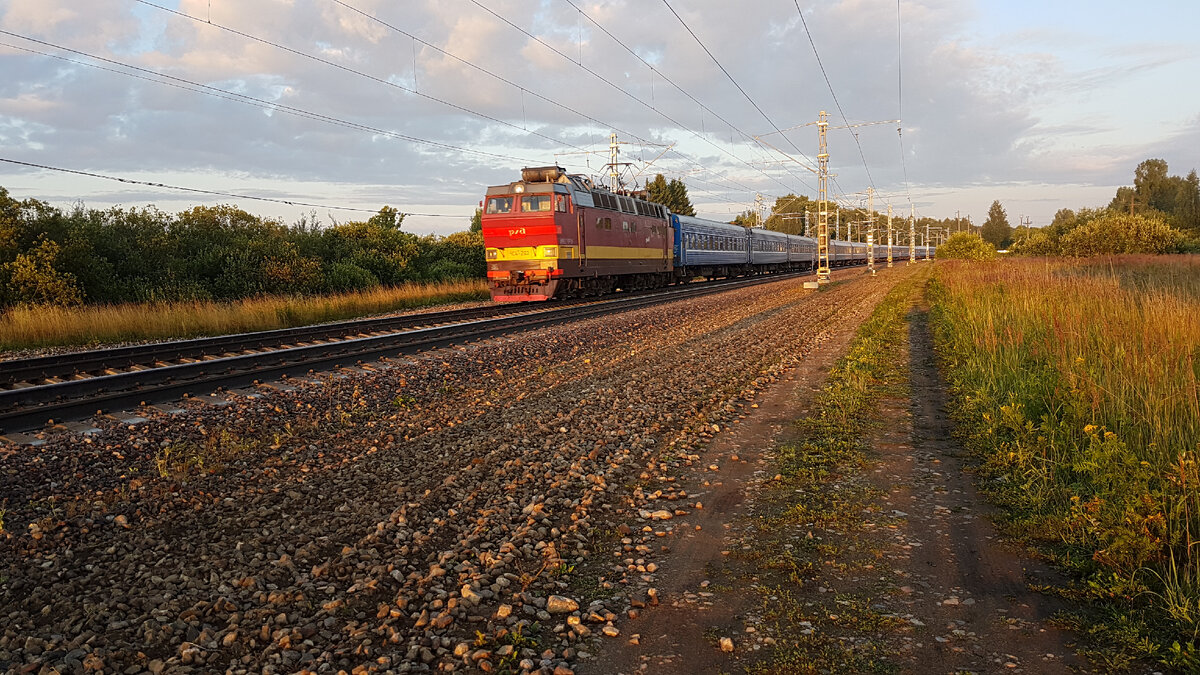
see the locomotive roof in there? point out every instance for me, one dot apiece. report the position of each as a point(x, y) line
point(544, 179)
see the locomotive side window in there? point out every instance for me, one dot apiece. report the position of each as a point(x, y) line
point(500, 205)
point(560, 203)
point(530, 203)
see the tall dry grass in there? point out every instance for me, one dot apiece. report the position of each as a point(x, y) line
point(1077, 382)
point(32, 327)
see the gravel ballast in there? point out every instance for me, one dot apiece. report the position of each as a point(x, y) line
point(462, 510)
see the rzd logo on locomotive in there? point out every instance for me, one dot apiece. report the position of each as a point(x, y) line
point(514, 231)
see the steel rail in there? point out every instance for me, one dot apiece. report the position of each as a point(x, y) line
point(32, 407)
point(100, 360)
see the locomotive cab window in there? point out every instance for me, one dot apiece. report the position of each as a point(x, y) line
point(500, 205)
point(560, 203)
point(531, 203)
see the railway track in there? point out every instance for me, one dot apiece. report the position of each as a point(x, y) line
point(47, 390)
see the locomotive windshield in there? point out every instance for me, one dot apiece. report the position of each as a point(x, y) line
point(499, 205)
point(535, 203)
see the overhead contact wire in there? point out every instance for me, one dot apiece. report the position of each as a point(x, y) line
point(627, 94)
point(217, 92)
point(218, 193)
point(359, 73)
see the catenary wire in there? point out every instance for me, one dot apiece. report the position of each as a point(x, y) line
point(658, 72)
point(217, 193)
point(735, 82)
point(359, 73)
point(626, 93)
point(208, 90)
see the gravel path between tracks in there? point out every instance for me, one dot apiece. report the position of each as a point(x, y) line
point(460, 510)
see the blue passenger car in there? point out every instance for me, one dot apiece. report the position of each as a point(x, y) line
point(768, 247)
point(802, 251)
point(707, 243)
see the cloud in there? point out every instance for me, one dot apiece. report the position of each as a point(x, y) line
point(974, 114)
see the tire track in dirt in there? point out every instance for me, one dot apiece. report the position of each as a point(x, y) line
point(965, 583)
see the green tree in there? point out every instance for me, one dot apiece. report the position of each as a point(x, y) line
point(787, 214)
point(995, 229)
point(387, 218)
point(1154, 187)
point(672, 194)
point(1187, 203)
point(477, 221)
point(747, 218)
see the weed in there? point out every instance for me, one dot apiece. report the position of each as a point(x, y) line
point(31, 327)
point(1075, 384)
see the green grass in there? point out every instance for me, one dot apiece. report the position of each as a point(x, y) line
point(34, 327)
point(1075, 384)
point(819, 490)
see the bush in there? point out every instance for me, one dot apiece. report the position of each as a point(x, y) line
point(964, 246)
point(64, 257)
point(33, 278)
point(1037, 243)
point(1116, 233)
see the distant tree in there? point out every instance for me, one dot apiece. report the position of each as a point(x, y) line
point(787, 214)
point(1187, 204)
point(996, 229)
point(672, 194)
point(1153, 187)
point(387, 218)
point(477, 221)
point(747, 218)
point(1064, 219)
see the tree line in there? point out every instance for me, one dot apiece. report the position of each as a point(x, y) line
point(49, 255)
point(1160, 213)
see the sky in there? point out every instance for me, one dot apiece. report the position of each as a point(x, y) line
point(343, 106)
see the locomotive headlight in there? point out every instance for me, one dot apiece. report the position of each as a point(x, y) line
point(493, 254)
point(550, 252)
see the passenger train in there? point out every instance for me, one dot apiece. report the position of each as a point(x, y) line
point(554, 235)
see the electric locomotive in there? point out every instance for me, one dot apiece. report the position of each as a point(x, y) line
point(553, 234)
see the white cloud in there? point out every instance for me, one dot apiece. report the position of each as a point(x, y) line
point(976, 114)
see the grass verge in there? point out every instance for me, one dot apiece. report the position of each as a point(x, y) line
point(34, 327)
point(814, 511)
point(1074, 383)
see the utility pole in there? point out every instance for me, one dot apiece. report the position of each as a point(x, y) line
point(871, 230)
point(758, 209)
point(822, 183)
point(614, 171)
point(912, 234)
point(927, 241)
point(957, 225)
point(889, 235)
point(822, 201)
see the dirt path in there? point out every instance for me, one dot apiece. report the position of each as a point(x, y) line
point(969, 587)
point(894, 566)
